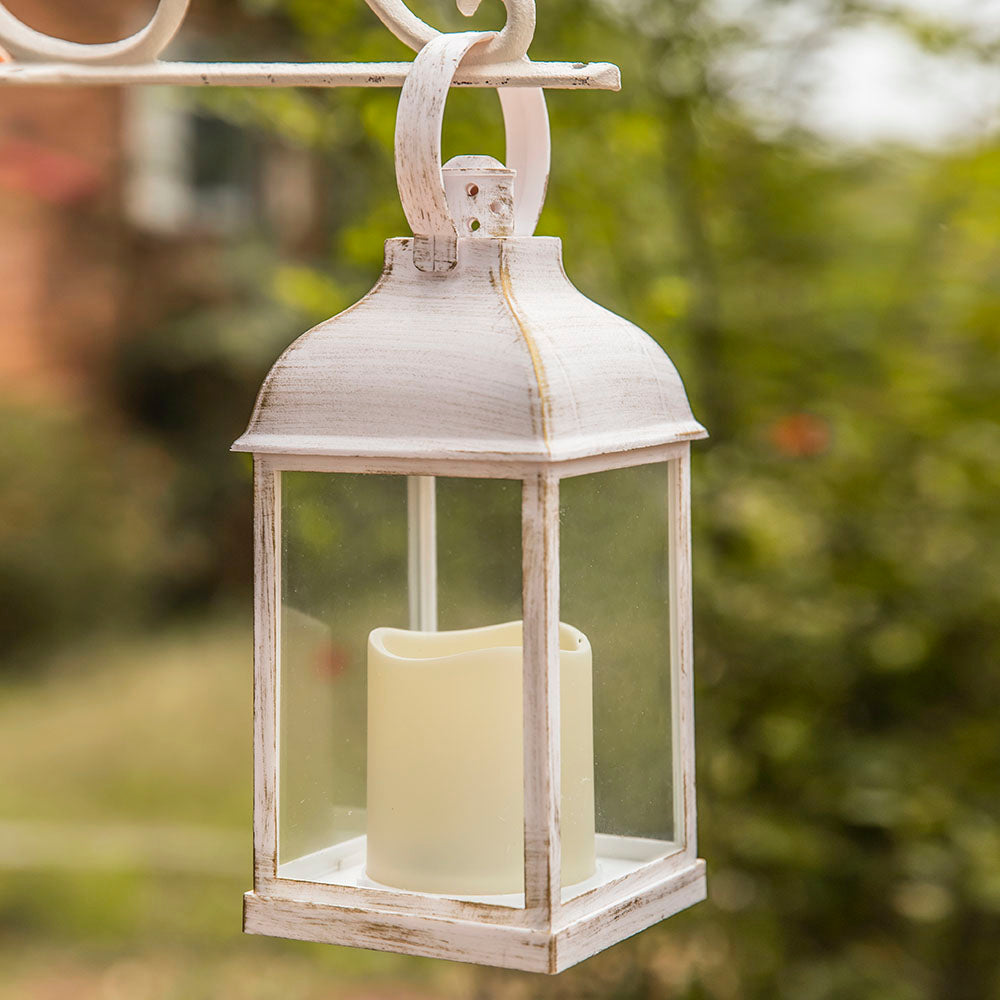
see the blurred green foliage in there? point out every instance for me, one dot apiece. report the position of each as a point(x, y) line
point(68, 558)
point(836, 315)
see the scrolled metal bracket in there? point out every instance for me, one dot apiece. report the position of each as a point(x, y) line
point(509, 45)
point(35, 59)
point(27, 45)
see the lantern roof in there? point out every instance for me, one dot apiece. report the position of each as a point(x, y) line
point(500, 357)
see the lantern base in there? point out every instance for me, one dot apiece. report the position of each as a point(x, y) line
point(578, 931)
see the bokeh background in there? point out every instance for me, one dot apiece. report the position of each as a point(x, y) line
point(800, 199)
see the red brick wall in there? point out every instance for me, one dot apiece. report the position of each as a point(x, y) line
point(60, 215)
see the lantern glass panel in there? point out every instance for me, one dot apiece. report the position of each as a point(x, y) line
point(400, 762)
point(615, 587)
point(343, 571)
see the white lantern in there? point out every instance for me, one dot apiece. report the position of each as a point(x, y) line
point(472, 446)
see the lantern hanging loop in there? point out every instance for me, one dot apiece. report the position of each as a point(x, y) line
point(508, 45)
point(419, 123)
point(28, 45)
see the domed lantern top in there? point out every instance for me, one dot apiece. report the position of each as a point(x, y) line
point(473, 344)
point(499, 358)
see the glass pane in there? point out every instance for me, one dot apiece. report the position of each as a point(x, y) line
point(400, 751)
point(343, 570)
point(614, 583)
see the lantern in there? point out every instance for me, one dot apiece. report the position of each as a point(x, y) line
point(473, 693)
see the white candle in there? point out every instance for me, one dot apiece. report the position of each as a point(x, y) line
point(445, 759)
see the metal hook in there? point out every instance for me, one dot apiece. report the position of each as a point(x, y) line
point(508, 45)
point(419, 121)
point(27, 45)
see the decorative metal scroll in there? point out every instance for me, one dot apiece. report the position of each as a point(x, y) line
point(35, 58)
point(509, 45)
point(27, 45)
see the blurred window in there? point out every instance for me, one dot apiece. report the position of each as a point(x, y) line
point(186, 171)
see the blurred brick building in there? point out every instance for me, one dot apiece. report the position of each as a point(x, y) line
point(61, 164)
point(113, 202)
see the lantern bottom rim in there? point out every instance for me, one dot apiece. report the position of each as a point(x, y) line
point(547, 949)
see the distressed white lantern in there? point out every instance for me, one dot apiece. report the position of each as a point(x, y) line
point(473, 731)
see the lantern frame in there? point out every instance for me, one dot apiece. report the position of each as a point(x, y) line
point(547, 934)
point(475, 357)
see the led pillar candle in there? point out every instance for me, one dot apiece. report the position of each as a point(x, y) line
point(445, 760)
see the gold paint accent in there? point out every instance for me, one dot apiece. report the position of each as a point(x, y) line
point(544, 396)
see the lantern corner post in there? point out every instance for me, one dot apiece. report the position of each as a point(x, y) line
point(682, 653)
point(267, 640)
point(541, 701)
